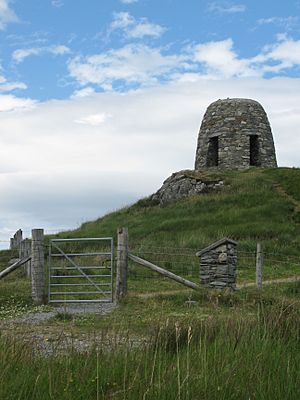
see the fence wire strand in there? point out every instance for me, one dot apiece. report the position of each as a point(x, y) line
point(183, 261)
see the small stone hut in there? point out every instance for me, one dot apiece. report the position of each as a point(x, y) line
point(218, 264)
point(235, 134)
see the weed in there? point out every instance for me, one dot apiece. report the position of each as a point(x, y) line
point(63, 316)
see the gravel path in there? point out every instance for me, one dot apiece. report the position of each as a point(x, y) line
point(46, 340)
point(82, 308)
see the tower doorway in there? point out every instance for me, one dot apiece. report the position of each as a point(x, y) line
point(212, 159)
point(254, 150)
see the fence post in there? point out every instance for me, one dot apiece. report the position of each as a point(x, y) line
point(122, 263)
point(37, 266)
point(259, 267)
point(16, 240)
point(25, 251)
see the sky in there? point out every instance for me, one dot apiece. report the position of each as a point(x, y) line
point(101, 100)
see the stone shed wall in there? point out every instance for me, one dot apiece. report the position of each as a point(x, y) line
point(235, 134)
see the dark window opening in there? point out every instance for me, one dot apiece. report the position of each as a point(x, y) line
point(213, 152)
point(254, 150)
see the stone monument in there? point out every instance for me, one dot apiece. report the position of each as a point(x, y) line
point(235, 134)
point(218, 264)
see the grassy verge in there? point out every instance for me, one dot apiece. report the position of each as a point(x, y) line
point(231, 356)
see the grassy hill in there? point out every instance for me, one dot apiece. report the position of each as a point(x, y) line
point(256, 205)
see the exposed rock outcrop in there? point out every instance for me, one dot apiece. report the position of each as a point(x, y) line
point(184, 184)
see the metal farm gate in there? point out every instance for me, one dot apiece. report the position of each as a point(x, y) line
point(81, 270)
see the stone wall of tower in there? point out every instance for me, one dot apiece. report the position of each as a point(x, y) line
point(235, 134)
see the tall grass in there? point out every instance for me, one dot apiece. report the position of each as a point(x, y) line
point(218, 358)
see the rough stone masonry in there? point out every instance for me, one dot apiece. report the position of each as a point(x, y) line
point(235, 134)
point(218, 264)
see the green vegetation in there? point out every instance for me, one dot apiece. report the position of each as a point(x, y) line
point(226, 346)
point(288, 178)
point(165, 341)
point(251, 208)
point(255, 206)
point(140, 315)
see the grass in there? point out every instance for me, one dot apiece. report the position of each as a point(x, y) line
point(249, 209)
point(15, 298)
point(288, 178)
point(183, 344)
point(138, 314)
point(222, 356)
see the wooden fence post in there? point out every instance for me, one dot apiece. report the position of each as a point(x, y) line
point(163, 272)
point(259, 267)
point(122, 263)
point(24, 252)
point(16, 240)
point(37, 266)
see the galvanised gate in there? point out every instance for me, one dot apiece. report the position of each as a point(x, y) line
point(81, 270)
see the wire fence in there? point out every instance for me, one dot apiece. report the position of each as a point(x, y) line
point(277, 267)
point(184, 262)
point(180, 261)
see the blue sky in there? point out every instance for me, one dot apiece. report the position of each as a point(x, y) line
point(101, 99)
point(45, 45)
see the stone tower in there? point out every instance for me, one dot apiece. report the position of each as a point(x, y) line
point(235, 134)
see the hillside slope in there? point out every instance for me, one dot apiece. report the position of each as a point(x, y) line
point(255, 205)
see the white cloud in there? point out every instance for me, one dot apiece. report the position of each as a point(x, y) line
point(59, 49)
point(94, 119)
point(57, 3)
point(7, 86)
point(131, 64)
point(128, 1)
point(283, 55)
point(282, 37)
point(144, 28)
point(10, 86)
point(7, 15)
point(135, 29)
point(226, 7)
point(142, 65)
point(19, 55)
point(121, 20)
point(221, 60)
point(85, 92)
point(9, 102)
point(287, 52)
point(285, 22)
